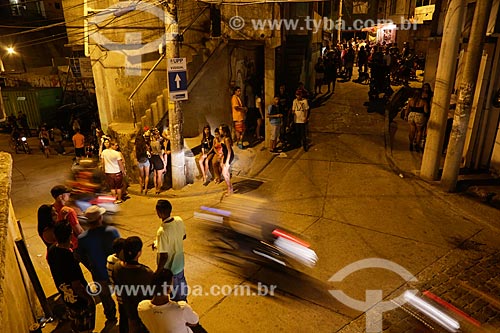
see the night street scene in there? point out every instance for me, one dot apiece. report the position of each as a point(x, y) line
point(250, 166)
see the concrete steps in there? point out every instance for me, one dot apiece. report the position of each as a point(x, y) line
point(484, 187)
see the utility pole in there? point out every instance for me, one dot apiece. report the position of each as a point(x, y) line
point(466, 95)
point(339, 24)
point(175, 116)
point(445, 76)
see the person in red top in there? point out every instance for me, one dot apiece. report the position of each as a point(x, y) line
point(79, 143)
point(239, 115)
point(60, 193)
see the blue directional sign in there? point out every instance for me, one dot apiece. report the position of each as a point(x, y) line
point(177, 79)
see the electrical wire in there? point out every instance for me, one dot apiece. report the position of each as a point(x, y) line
point(115, 19)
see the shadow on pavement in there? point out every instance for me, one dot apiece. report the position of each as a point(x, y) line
point(246, 186)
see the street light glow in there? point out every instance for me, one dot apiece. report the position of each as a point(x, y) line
point(11, 50)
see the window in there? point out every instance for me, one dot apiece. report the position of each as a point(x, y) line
point(421, 3)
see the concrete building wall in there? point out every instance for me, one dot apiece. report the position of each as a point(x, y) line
point(251, 12)
point(18, 305)
point(201, 109)
point(122, 48)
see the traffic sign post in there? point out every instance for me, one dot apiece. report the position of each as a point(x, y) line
point(177, 79)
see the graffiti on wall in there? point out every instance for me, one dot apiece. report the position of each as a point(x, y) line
point(33, 81)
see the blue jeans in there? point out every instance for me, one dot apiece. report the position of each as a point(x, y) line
point(180, 289)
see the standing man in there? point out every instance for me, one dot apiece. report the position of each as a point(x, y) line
point(69, 280)
point(114, 169)
point(300, 109)
point(160, 314)
point(275, 116)
point(61, 194)
point(23, 121)
point(94, 247)
point(169, 241)
point(239, 114)
point(79, 143)
point(57, 135)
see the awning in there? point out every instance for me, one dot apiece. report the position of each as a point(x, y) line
point(379, 27)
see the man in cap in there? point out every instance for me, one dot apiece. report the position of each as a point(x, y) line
point(95, 245)
point(61, 193)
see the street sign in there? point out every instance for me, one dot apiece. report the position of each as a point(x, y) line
point(177, 79)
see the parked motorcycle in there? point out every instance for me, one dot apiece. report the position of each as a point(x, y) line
point(21, 144)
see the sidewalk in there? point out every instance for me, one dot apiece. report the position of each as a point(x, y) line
point(481, 186)
point(248, 163)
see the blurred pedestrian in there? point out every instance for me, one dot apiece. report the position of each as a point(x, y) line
point(94, 247)
point(169, 241)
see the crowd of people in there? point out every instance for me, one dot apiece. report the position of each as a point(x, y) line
point(114, 261)
point(152, 151)
point(381, 65)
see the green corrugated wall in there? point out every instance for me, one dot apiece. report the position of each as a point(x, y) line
point(39, 105)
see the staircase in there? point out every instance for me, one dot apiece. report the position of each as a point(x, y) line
point(157, 114)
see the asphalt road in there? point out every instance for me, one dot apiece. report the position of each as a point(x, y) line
point(344, 199)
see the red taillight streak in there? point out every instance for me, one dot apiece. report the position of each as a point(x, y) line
point(450, 307)
point(281, 233)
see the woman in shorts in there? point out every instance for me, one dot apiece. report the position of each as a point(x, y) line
point(207, 151)
point(416, 114)
point(157, 160)
point(142, 156)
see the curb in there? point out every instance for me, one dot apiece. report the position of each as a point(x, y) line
point(430, 186)
point(186, 192)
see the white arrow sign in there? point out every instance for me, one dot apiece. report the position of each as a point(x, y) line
point(177, 81)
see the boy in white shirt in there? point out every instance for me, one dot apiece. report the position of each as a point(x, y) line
point(300, 110)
